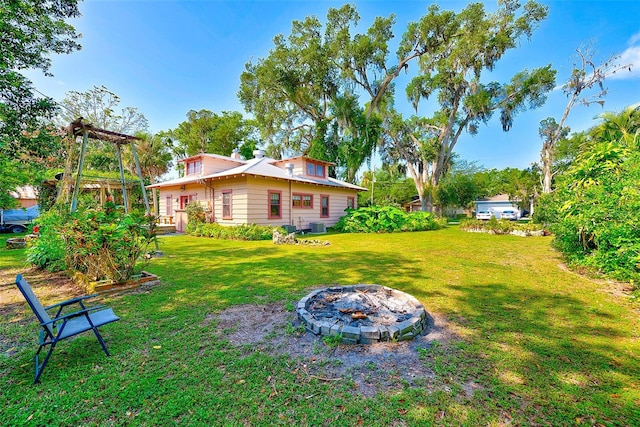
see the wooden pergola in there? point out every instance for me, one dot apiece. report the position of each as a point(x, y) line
point(78, 128)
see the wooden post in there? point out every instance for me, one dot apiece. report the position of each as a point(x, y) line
point(125, 199)
point(76, 189)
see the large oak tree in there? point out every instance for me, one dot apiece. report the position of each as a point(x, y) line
point(462, 48)
point(334, 90)
point(305, 94)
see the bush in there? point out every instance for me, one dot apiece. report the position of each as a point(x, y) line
point(103, 243)
point(594, 211)
point(386, 219)
point(196, 215)
point(502, 226)
point(48, 251)
point(597, 226)
point(239, 232)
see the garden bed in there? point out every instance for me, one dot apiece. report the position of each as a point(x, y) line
point(103, 286)
point(494, 226)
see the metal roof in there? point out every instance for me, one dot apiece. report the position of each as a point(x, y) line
point(260, 167)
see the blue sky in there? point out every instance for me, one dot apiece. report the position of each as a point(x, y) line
point(168, 57)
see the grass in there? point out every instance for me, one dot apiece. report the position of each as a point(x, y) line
point(537, 344)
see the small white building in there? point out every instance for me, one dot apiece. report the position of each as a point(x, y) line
point(498, 204)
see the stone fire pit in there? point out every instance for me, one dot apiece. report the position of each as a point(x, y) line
point(363, 314)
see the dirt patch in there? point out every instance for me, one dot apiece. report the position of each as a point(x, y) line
point(49, 287)
point(370, 369)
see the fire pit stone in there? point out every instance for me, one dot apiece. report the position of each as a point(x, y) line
point(362, 314)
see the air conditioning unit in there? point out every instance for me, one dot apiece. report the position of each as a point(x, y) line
point(290, 228)
point(317, 227)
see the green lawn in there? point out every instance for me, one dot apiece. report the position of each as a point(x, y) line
point(544, 346)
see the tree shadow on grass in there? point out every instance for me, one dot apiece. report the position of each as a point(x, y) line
point(553, 356)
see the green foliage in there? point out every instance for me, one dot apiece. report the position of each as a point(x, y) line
point(390, 188)
point(595, 210)
point(238, 232)
point(332, 341)
point(386, 219)
point(495, 226)
point(461, 187)
point(456, 50)
point(520, 184)
point(101, 243)
point(13, 175)
point(207, 132)
point(304, 93)
point(47, 195)
point(49, 250)
point(585, 77)
point(196, 215)
point(30, 32)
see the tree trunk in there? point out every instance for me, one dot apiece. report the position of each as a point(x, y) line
point(154, 203)
point(547, 175)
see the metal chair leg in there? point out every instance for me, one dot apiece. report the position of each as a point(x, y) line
point(40, 367)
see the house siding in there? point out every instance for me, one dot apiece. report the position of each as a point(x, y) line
point(212, 165)
point(238, 188)
point(258, 204)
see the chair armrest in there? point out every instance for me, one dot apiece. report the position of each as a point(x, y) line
point(74, 314)
point(71, 301)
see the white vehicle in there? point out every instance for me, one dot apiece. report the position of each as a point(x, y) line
point(509, 214)
point(484, 215)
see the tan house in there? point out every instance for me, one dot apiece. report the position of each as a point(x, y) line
point(294, 192)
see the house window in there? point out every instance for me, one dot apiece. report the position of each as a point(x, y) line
point(193, 167)
point(351, 202)
point(304, 201)
point(185, 200)
point(226, 205)
point(324, 206)
point(315, 169)
point(169, 205)
point(275, 204)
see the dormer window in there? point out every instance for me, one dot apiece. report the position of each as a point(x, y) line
point(193, 167)
point(316, 169)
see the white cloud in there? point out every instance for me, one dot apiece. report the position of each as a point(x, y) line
point(630, 57)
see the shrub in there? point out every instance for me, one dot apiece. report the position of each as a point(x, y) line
point(596, 226)
point(48, 251)
point(196, 215)
point(239, 232)
point(496, 226)
point(594, 211)
point(386, 219)
point(102, 243)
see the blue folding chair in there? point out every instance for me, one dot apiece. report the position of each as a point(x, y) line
point(63, 326)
